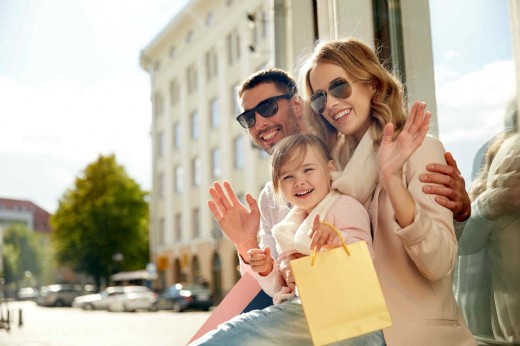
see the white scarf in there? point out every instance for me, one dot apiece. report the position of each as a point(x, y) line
point(292, 233)
point(360, 176)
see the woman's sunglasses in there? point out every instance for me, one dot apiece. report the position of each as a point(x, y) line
point(266, 108)
point(339, 88)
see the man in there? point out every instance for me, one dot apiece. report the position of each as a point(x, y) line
point(283, 118)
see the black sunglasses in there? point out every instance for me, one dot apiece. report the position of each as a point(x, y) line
point(339, 88)
point(265, 108)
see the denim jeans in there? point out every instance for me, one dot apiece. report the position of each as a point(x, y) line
point(282, 324)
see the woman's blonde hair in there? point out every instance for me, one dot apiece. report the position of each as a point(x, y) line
point(293, 149)
point(361, 63)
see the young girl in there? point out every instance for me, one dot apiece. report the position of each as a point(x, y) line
point(357, 106)
point(300, 172)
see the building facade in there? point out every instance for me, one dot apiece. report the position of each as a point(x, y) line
point(196, 62)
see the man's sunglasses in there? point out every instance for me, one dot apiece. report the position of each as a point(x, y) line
point(339, 88)
point(266, 108)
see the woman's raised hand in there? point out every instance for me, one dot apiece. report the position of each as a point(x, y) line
point(393, 153)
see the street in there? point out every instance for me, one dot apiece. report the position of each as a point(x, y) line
point(71, 326)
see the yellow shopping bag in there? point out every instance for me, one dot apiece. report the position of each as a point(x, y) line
point(340, 293)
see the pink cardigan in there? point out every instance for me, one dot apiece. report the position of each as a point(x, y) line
point(414, 264)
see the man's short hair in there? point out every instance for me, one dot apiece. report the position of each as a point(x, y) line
point(283, 81)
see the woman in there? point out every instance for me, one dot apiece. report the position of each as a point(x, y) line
point(358, 107)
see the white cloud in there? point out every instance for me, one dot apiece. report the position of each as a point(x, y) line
point(471, 108)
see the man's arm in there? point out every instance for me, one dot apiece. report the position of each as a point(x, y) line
point(451, 191)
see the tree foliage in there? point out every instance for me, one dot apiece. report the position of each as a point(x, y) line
point(104, 214)
point(20, 253)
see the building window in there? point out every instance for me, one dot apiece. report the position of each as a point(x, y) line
point(234, 101)
point(178, 227)
point(214, 117)
point(160, 144)
point(189, 36)
point(216, 164)
point(209, 19)
point(196, 171)
point(177, 135)
point(174, 92)
point(195, 125)
point(233, 46)
point(158, 107)
point(237, 47)
point(160, 186)
point(229, 43)
point(191, 78)
point(196, 223)
point(211, 58)
point(160, 232)
point(388, 32)
point(263, 154)
point(179, 179)
point(172, 52)
point(264, 24)
point(239, 152)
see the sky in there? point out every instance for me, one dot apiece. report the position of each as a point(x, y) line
point(71, 87)
point(474, 73)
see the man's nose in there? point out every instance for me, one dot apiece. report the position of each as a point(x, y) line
point(260, 121)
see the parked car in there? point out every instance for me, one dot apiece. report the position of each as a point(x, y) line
point(181, 297)
point(27, 293)
point(133, 298)
point(97, 301)
point(59, 294)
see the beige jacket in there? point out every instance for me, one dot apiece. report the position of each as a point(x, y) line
point(414, 264)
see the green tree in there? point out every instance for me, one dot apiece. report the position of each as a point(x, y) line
point(20, 253)
point(101, 223)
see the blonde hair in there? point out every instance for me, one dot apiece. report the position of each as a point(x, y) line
point(293, 149)
point(361, 63)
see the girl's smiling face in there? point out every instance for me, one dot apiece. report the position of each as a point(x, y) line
point(305, 180)
point(350, 116)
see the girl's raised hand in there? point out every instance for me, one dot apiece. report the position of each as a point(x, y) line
point(393, 153)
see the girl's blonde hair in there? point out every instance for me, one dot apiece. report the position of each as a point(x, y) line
point(361, 63)
point(292, 149)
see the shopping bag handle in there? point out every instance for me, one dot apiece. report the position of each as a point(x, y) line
point(313, 252)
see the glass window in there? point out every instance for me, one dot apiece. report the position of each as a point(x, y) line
point(214, 113)
point(229, 43)
point(160, 144)
point(174, 92)
point(177, 135)
point(196, 171)
point(160, 186)
point(172, 52)
point(234, 101)
point(195, 125)
point(209, 19)
point(178, 227)
point(179, 179)
point(216, 164)
point(160, 232)
point(189, 36)
point(158, 106)
point(196, 223)
point(239, 152)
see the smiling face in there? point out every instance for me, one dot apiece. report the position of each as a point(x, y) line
point(350, 116)
point(266, 132)
point(304, 178)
